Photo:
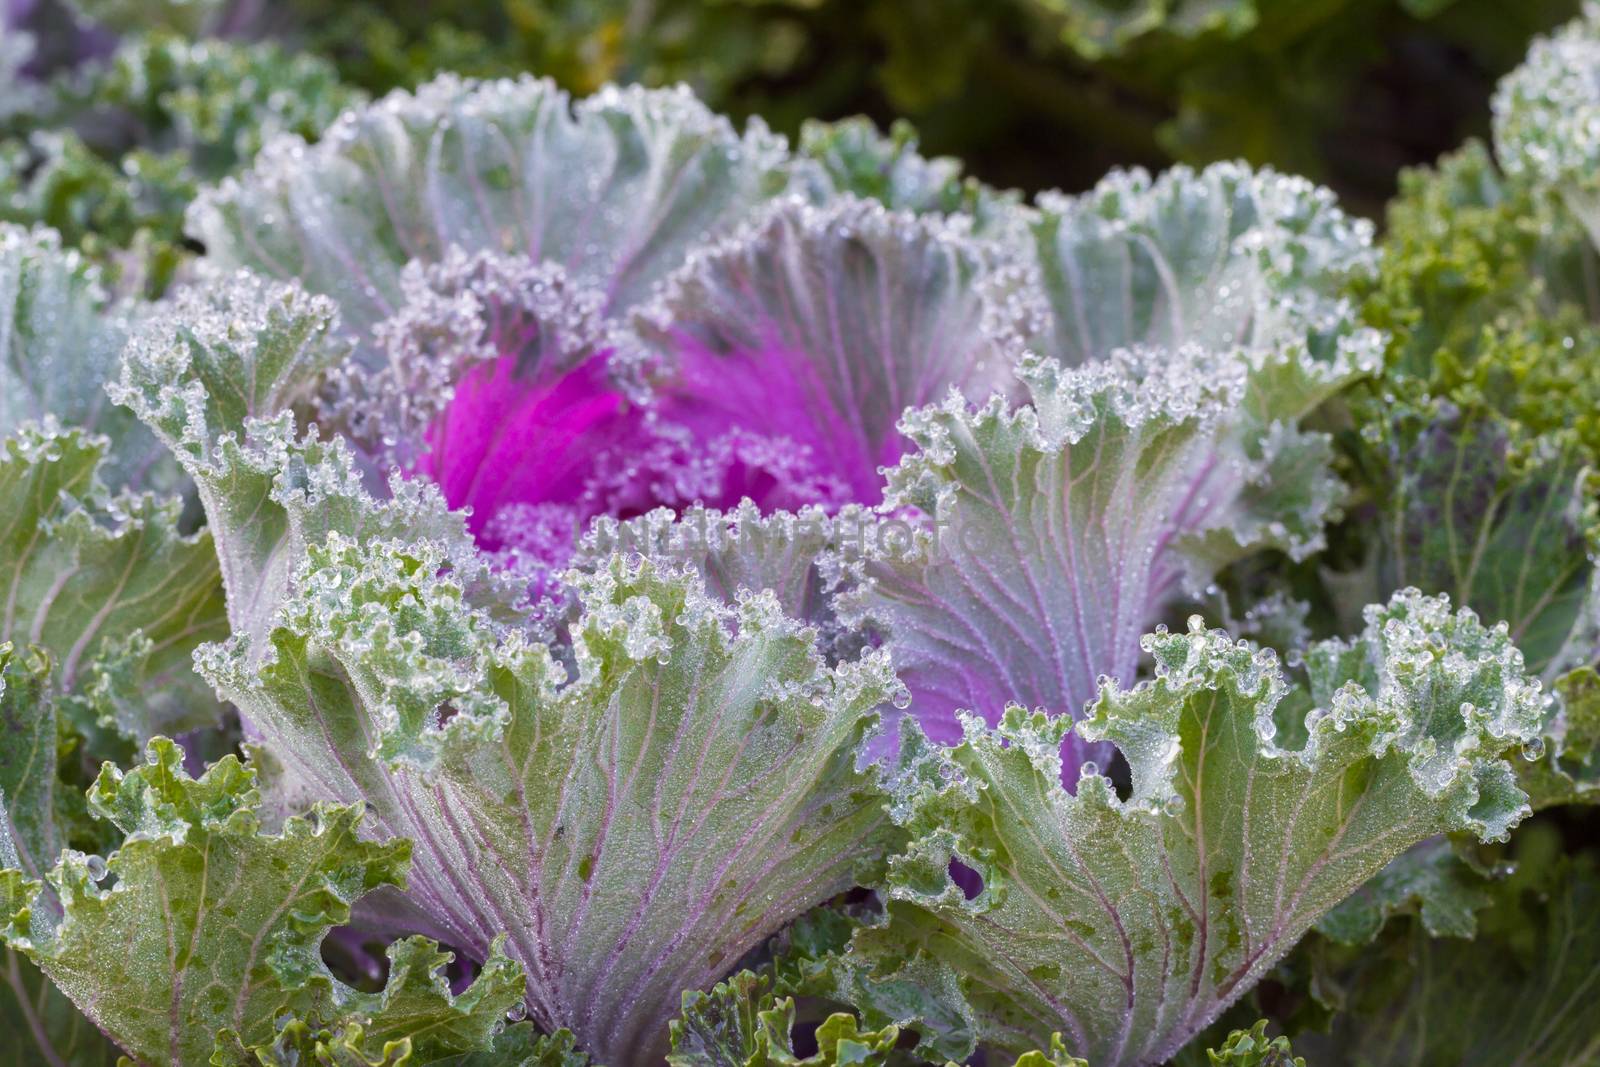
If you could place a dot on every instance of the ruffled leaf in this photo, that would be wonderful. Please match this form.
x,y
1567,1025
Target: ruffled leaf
x,y
1505,525
414,1020
218,378
1221,257
1547,116
691,789
616,188
1059,532
1128,925
60,335
106,585
860,160
44,1024
1253,1048
819,327
739,1023
214,923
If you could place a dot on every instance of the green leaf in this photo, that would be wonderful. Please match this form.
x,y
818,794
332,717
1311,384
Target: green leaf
x,y
1563,766
219,378
492,166
47,1028
1444,890
1056,534
1222,257
1096,29
1506,527
1252,1048
106,585
218,926
1128,925
60,335
413,1020
689,790
857,158
739,1023
1516,993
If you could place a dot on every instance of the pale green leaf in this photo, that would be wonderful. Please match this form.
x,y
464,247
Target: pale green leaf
x,y
105,585
690,789
1128,925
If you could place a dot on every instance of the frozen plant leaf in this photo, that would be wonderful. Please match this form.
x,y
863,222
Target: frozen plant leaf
x,y
743,552
217,923
106,585
689,790
194,866
414,1020
60,335
44,1025
1128,925
1221,257
219,377
860,160
615,188
1563,765
1057,533
820,326
1444,890
1547,116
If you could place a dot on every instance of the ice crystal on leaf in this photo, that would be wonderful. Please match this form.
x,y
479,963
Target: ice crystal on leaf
x,y
217,924
563,310
1222,257
1059,531
635,828
1127,925
1547,116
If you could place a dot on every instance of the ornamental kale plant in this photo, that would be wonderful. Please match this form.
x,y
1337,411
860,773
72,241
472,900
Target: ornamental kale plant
x,y
559,581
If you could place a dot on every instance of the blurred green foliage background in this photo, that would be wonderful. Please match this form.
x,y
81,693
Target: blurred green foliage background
x,y
1030,93
137,102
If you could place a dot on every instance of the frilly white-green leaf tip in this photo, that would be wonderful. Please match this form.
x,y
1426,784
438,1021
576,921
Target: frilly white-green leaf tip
x,y
1546,112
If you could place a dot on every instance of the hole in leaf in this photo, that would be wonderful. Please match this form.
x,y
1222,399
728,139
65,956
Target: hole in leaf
x,y
356,958
970,881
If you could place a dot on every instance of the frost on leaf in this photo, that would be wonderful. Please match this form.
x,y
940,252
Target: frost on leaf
x,y
819,327
1222,257
104,584
60,335
220,377
1056,533
635,829
742,552
1128,925
1547,117
616,188
41,1023
1507,525
200,922
857,159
